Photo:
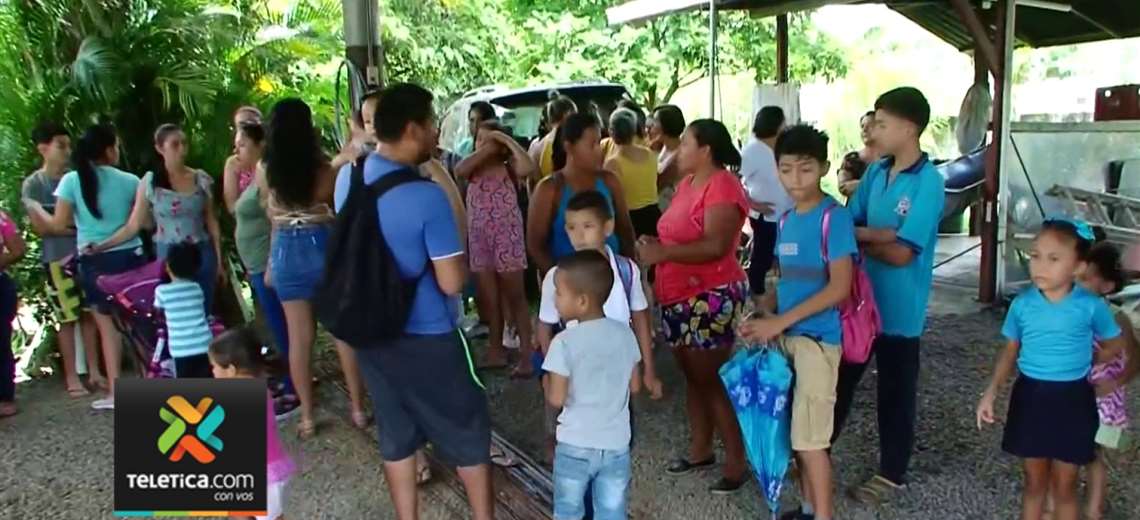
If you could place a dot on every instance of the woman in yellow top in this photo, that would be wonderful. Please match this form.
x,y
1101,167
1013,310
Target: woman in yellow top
x,y
636,168
639,138
542,150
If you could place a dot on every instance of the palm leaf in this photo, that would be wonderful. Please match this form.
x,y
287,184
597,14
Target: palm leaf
x,y
94,64
193,88
221,11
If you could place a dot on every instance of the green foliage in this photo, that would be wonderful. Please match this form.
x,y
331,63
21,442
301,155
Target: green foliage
x,y
140,63
451,45
1044,64
570,40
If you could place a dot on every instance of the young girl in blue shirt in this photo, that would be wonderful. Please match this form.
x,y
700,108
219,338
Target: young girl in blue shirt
x,y
1050,328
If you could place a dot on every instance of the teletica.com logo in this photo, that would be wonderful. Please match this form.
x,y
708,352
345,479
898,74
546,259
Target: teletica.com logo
x,y
176,441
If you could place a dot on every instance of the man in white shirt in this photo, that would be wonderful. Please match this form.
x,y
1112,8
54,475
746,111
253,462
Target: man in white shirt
x,y
766,194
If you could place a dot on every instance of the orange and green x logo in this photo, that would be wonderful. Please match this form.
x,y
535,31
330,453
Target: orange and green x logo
x,y
175,436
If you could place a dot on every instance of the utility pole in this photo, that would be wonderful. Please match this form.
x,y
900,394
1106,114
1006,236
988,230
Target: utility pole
x,y
712,58
362,44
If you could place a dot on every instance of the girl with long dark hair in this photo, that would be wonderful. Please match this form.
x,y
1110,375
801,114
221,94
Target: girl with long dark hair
x,y
299,182
179,201
94,202
702,290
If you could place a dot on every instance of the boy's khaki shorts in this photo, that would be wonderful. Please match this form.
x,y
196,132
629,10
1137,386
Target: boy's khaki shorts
x,y
816,365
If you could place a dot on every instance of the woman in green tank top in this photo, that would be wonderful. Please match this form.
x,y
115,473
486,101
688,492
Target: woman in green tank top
x,y
251,234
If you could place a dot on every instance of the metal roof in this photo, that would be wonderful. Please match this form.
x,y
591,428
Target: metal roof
x,y
1040,23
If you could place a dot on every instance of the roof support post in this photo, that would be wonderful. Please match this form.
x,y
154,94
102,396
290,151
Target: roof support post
x,y
990,276
712,58
362,42
982,43
782,48
981,70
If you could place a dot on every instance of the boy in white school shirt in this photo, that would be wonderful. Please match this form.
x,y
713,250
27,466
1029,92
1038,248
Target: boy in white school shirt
x,y
589,221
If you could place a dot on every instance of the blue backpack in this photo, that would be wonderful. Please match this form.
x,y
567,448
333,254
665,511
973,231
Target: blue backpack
x,y
625,268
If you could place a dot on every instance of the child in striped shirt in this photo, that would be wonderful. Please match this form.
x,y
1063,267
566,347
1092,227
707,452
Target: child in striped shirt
x,y
184,304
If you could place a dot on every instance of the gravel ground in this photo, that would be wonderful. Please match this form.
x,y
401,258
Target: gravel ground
x,y
58,464
958,472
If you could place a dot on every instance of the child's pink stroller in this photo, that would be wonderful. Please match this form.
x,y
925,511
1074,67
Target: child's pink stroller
x,y
132,298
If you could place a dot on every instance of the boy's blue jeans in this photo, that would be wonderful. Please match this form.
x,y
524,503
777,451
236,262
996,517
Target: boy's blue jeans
x,y
604,473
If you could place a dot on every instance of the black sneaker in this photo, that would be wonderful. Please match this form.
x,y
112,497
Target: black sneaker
x,y
725,486
285,407
798,514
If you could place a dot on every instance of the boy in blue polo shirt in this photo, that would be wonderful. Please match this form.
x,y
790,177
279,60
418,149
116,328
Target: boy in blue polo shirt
x,y
896,208
814,278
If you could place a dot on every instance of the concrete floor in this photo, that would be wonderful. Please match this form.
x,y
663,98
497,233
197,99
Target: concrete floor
x,y
956,277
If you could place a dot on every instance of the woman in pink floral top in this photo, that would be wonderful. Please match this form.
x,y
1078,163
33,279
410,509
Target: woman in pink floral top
x,y
1104,276
179,201
11,251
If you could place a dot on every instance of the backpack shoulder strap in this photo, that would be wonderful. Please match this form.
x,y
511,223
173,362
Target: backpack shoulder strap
x,y
825,227
393,179
356,177
625,272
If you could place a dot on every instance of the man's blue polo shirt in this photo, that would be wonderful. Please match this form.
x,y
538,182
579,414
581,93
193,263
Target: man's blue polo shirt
x,y
911,205
419,227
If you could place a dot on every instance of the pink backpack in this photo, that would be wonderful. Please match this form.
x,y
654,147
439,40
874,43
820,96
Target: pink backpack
x,y
858,314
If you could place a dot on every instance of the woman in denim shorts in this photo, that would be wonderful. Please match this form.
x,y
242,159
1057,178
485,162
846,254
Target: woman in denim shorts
x,y
93,202
300,184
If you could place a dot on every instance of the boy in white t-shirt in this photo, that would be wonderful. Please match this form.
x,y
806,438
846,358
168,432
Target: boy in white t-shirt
x,y
589,221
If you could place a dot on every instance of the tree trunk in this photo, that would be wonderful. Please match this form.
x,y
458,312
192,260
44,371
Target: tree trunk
x,y
229,306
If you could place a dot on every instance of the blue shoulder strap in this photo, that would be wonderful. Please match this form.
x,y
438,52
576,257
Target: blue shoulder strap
x,y
625,272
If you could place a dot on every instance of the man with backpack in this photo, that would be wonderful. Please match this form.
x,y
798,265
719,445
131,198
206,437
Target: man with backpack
x,y
814,248
897,208
396,263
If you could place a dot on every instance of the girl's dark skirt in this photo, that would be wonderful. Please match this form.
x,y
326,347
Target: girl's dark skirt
x,y
1052,420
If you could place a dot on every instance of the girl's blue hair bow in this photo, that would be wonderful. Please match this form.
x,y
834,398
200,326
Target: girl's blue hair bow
x,y
1083,229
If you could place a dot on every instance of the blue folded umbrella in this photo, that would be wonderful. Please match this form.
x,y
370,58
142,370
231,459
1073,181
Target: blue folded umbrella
x,y
759,383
